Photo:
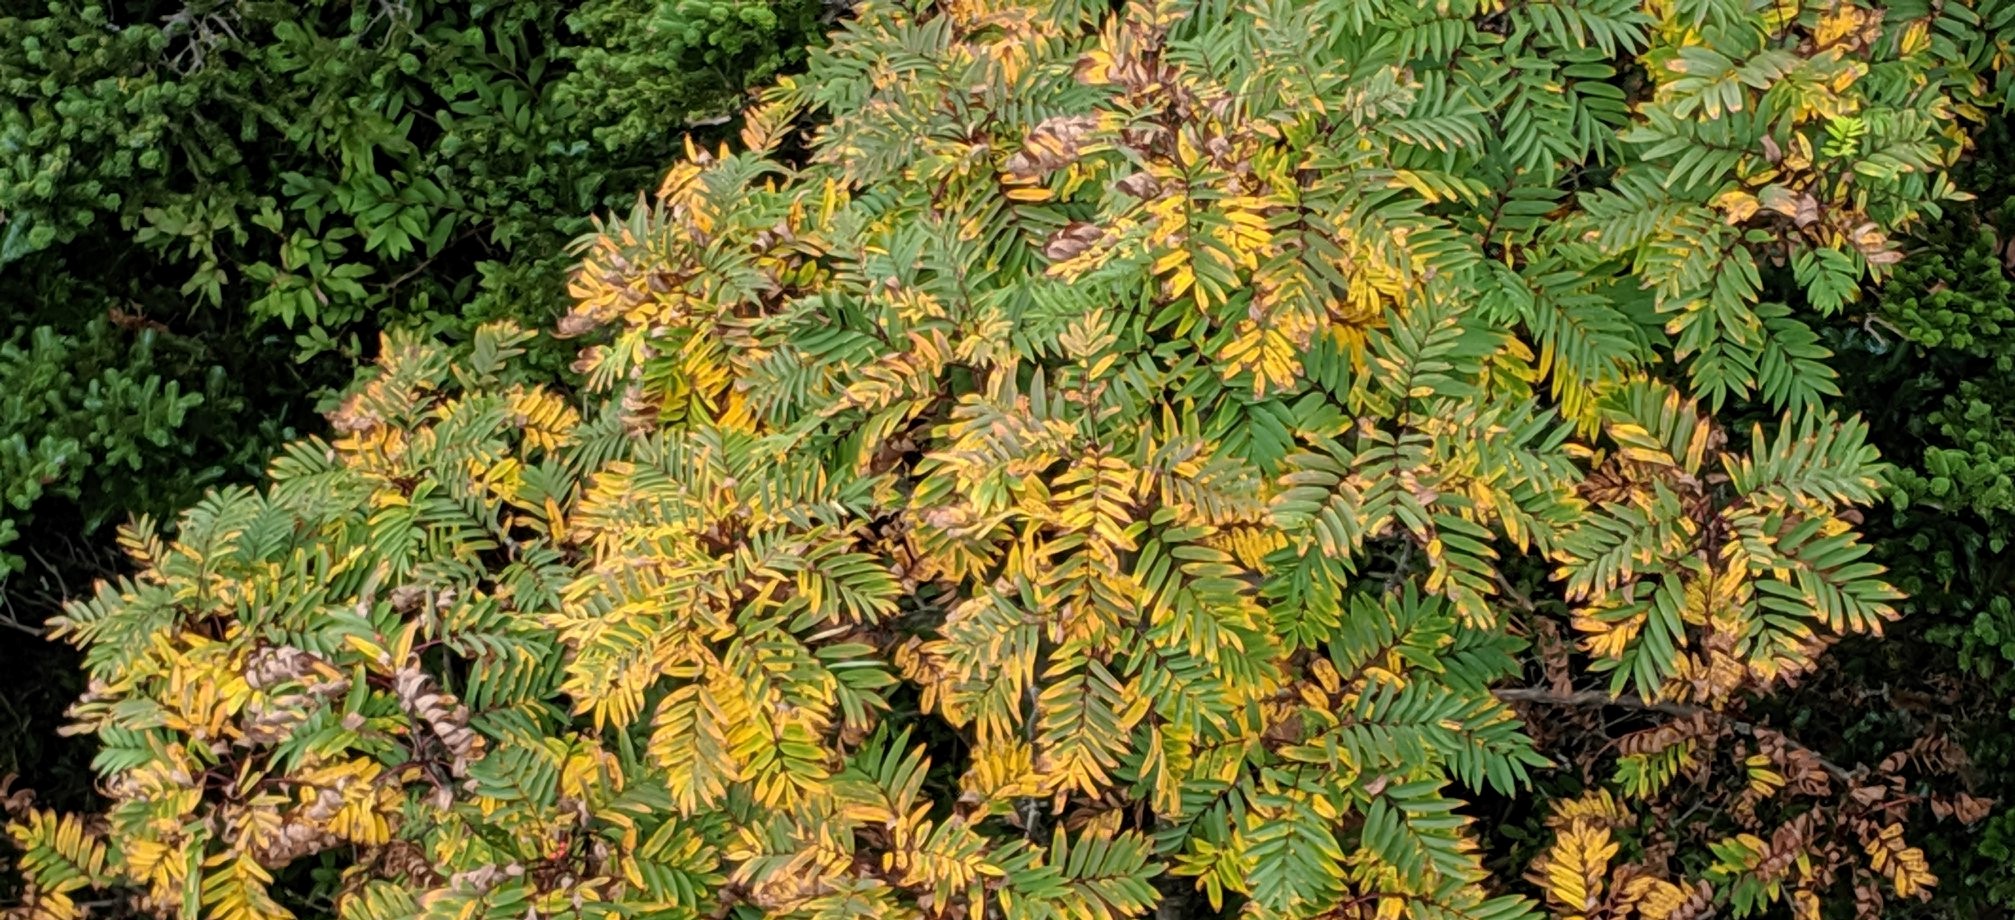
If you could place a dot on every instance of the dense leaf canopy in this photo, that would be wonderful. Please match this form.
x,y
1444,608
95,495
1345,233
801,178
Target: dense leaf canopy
x,y
1129,456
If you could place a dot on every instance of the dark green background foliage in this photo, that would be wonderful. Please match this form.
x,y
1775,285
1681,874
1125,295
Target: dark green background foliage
x,y
1929,360
94,420
208,209
279,180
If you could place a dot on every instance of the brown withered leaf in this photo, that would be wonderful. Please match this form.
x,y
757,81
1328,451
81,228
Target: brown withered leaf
x,y
1801,207
352,417
15,802
1554,653
442,713
1937,752
1867,901
1143,186
1072,241
574,324
1968,809
1786,845
292,841
1055,143
272,665
133,322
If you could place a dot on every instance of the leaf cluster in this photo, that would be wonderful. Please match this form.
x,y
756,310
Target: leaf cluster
x,y
1928,361
220,175
101,419
207,211
1123,463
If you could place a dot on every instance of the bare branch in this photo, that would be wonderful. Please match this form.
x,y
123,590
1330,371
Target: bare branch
x,y
1597,698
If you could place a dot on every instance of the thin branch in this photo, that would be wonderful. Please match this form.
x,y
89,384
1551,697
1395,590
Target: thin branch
x,y
1599,698
427,262
1518,598
55,571
10,620
11,623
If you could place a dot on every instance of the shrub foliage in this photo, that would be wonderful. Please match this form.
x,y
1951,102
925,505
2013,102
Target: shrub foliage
x,y
1141,456
1929,365
263,182
85,405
